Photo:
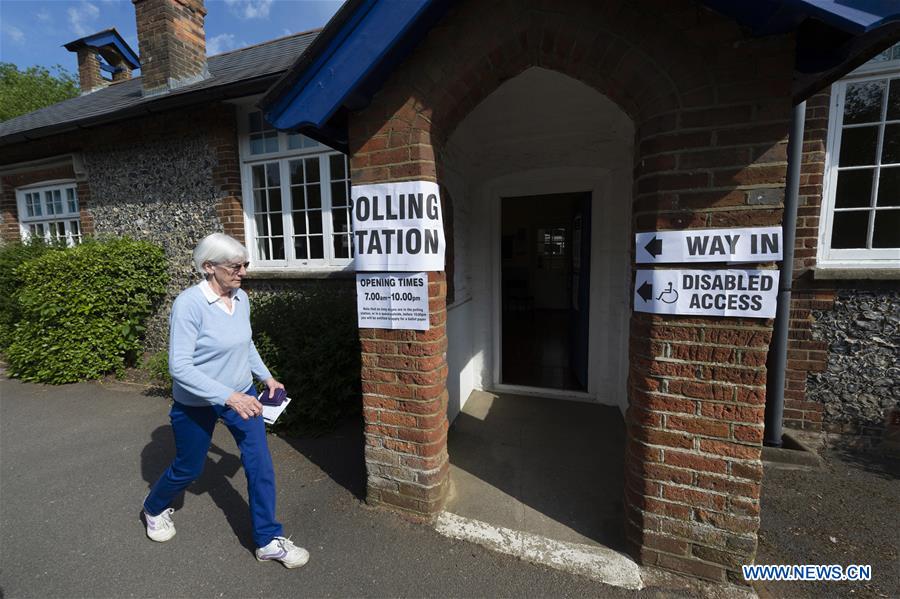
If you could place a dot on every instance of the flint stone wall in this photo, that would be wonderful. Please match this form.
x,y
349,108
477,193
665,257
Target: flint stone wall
x,y
862,380
161,191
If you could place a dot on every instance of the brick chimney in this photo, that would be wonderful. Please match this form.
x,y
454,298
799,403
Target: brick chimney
x,y
172,43
89,76
102,51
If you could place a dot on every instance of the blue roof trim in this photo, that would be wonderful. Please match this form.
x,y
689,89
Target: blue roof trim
x,y
110,37
352,56
367,39
862,17
766,17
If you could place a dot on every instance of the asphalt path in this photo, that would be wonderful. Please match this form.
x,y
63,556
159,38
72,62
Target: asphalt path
x,y
77,460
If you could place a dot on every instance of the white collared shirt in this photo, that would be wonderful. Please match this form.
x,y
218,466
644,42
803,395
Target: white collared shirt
x,y
213,298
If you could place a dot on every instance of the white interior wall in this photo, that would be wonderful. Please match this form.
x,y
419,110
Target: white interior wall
x,y
541,132
462,360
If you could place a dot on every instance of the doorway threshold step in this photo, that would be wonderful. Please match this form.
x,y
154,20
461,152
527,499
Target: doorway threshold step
x,y
595,562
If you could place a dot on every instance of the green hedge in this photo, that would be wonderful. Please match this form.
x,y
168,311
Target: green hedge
x,y
310,342
82,309
12,255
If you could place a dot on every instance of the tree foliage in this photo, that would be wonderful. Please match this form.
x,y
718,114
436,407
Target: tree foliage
x,y
22,92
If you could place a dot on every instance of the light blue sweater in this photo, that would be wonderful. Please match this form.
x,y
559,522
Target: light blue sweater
x,y
211,353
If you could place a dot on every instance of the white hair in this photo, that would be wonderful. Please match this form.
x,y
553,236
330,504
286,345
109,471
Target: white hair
x,y
217,249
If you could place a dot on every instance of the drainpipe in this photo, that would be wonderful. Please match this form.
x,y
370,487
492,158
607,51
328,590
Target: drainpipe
x,y
777,361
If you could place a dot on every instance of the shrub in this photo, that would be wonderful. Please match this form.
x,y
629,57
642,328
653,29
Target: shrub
x,y
12,255
310,342
157,366
82,309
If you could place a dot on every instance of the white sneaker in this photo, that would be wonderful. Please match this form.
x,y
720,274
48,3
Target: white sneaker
x,y
283,550
160,528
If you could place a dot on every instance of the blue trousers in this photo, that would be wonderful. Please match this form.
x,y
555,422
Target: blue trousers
x,y
193,429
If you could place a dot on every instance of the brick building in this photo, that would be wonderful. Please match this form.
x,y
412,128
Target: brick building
x,y
842,362
555,131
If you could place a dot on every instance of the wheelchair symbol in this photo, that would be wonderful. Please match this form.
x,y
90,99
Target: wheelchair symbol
x,y
669,296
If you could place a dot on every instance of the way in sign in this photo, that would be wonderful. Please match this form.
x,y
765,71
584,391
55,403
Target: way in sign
x,y
758,244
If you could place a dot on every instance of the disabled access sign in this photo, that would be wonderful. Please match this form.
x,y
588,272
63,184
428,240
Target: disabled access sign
x,y
749,293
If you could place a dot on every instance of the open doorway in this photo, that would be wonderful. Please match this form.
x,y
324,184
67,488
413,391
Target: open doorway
x,y
540,174
545,288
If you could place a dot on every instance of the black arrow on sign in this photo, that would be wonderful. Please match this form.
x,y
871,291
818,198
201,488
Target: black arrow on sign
x,y
646,291
654,247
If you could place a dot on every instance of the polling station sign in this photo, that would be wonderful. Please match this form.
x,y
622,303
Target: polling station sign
x,y
756,244
398,227
752,293
392,300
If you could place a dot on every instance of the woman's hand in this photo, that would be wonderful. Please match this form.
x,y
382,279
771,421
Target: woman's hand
x,y
272,384
245,405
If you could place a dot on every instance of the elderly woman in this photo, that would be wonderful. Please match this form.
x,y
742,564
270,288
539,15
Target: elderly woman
x,y
212,360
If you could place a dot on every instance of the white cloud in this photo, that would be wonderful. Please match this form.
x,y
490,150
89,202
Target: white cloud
x,y
44,16
80,17
16,35
221,43
250,9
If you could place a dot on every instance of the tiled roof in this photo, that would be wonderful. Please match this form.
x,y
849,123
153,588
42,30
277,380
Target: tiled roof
x,y
264,60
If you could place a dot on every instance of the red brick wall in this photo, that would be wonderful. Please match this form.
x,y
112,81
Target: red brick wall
x,y
227,171
712,110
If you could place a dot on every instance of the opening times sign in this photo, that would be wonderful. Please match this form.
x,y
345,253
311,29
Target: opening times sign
x,y
392,300
749,293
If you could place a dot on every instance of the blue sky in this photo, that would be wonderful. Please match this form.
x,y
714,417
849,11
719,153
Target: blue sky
x,y
32,32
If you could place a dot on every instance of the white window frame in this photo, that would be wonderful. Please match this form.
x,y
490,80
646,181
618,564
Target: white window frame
x,y
828,258
283,156
66,217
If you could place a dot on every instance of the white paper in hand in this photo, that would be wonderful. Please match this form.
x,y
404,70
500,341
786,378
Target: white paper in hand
x,y
271,413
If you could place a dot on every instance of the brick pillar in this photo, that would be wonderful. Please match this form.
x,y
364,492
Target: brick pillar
x,y
697,384
404,383
89,71
693,469
404,373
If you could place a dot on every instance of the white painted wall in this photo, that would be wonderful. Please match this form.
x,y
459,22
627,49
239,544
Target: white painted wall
x,y
539,133
462,359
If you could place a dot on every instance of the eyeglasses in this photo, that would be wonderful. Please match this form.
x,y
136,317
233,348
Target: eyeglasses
x,y
234,268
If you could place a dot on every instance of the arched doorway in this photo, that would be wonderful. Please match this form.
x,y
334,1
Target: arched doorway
x,y
540,174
